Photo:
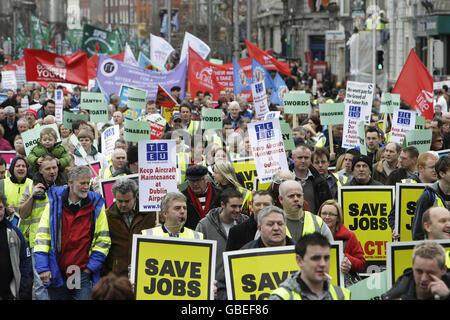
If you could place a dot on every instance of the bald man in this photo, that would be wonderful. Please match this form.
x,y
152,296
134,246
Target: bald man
x,y
299,221
436,223
118,159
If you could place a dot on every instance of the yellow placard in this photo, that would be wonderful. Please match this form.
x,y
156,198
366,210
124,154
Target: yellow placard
x,y
246,170
254,273
172,268
406,198
366,211
399,258
168,112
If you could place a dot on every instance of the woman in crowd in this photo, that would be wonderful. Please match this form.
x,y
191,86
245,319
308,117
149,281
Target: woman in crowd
x,y
331,213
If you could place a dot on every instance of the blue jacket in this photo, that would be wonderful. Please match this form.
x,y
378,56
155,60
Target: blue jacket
x,y
48,261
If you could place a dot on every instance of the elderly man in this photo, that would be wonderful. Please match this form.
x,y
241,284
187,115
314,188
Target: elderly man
x,y
234,113
10,125
202,196
118,159
429,278
75,220
124,220
300,222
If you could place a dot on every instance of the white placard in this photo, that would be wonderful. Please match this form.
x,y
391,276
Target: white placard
x,y
157,172
353,115
360,94
402,122
109,138
268,148
9,80
260,99
59,104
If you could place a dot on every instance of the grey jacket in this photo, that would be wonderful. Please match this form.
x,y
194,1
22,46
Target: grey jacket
x,y
212,229
293,285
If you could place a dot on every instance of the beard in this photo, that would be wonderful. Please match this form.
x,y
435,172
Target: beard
x,y
80,194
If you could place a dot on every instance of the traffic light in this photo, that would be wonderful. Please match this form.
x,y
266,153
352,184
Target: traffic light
x,y
380,59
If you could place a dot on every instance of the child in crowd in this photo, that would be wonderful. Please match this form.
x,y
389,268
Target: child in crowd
x,y
48,145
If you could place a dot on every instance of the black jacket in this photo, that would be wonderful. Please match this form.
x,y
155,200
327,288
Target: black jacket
x,y
193,216
258,243
405,288
241,234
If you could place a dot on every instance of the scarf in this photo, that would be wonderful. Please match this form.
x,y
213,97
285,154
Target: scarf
x,y
197,203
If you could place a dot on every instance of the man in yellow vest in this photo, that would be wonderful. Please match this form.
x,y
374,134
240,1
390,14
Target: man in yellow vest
x,y
191,126
119,158
312,281
300,222
173,215
31,208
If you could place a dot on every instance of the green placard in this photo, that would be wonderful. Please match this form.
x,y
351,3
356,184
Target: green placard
x,y
136,98
395,98
68,118
96,104
332,113
211,118
421,139
297,103
370,288
386,103
420,123
362,138
32,137
286,132
135,131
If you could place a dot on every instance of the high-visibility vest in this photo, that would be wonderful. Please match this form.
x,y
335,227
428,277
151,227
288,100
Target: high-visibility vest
x,y
336,292
311,223
183,164
408,180
13,191
31,223
186,234
193,127
380,25
341,180
369,24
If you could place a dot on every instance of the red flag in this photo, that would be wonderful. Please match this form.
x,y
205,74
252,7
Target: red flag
x,y
206,76
163,99
268,61
46,66
415,86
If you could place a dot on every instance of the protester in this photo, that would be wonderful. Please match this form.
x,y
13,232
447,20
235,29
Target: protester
x,y
312,281
15,260
83,238
124,220
429,278
353,262
218,222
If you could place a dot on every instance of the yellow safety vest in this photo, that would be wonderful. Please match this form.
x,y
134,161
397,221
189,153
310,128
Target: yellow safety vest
x,y
409,180
311,224
336,292
341,180
31,223
13,191
183,163
369,24
193,127
185,234
380,25
106,173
